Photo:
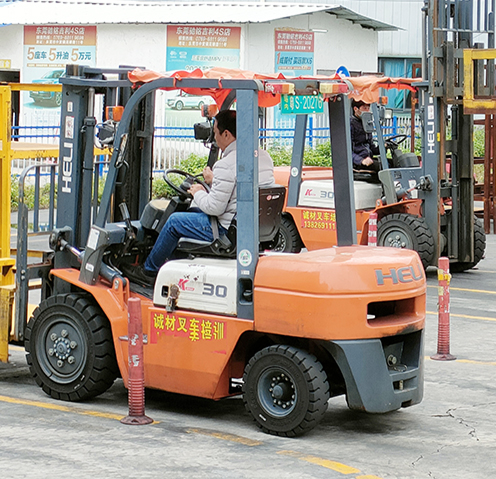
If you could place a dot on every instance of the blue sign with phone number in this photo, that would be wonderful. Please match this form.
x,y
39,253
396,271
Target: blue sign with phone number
x,y
299,105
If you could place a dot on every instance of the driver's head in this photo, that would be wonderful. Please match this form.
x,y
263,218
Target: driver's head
x,y
359,107
225,128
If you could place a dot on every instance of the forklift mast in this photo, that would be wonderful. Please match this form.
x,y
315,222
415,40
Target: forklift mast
x,y
84,90
447,117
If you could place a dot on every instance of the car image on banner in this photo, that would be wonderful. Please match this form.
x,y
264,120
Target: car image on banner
x,y
52,98
183,100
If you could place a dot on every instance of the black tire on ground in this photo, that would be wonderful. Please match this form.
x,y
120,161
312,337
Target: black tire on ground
x,y
179,105
288,238
285,390
400,230
479,248
69,348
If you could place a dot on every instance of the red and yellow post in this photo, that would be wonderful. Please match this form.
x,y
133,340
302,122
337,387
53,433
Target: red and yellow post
x,y
443,338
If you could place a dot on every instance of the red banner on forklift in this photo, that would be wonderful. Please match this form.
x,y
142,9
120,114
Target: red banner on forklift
x,y
365,88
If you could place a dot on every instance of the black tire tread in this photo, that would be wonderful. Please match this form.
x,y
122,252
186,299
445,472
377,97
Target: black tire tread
x,y
294,244
479,248
104,370
423,239
318,387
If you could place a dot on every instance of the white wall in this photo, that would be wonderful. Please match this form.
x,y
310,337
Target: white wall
x,y
405,14
140,45
344,43
12,44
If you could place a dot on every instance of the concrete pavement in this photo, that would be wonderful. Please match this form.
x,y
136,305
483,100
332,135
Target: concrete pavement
x,y
450,435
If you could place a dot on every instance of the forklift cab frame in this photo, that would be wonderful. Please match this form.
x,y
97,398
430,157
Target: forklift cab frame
x,y
79,87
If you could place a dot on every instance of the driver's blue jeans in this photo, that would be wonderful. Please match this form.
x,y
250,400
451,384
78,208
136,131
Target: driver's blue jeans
x,y
189,224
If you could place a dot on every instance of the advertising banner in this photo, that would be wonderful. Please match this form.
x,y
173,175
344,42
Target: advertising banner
x,y
47,50
294,52
202,46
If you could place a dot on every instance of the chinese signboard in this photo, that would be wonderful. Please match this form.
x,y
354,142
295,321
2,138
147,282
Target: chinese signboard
x,y
204,47
318,220
193,329
306,104
47,50
294,52
5,64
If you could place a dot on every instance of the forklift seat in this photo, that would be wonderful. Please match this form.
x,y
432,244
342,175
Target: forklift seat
x,y
270,201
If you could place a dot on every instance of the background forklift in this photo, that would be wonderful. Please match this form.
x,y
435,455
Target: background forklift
x,y
427,207
286,331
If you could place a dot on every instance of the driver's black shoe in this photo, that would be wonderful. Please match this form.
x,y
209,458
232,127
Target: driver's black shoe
x,y
138,274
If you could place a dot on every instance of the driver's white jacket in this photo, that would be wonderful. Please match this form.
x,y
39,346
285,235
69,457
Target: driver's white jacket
x,y
221,200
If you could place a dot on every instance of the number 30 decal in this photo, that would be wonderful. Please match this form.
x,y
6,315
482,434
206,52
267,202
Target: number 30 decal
x,y
215,290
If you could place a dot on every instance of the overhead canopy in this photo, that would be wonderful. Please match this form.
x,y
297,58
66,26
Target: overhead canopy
x,y
366,88
88,12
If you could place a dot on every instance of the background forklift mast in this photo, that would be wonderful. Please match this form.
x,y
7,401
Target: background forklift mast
x,y
454,89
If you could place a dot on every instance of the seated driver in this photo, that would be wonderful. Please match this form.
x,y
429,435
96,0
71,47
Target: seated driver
x,y
362,145
219,202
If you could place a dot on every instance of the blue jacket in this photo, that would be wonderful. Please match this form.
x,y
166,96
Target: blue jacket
x,y
362,144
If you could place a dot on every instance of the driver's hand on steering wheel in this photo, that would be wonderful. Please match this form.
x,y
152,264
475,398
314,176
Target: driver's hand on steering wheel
x,y
195,187
208,175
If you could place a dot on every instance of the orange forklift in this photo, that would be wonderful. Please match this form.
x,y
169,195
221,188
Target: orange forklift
x,y
422,205
286,331
412,212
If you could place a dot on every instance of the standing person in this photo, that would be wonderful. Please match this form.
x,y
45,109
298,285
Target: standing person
x,y
219,202
363,147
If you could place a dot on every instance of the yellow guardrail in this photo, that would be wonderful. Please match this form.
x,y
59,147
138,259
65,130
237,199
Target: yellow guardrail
x,y
472,104
6,262
10,150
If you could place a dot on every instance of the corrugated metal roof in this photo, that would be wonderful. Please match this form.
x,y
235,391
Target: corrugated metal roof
x,y
66,12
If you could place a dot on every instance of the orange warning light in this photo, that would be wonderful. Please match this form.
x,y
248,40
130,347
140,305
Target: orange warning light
x,y
281,88
333,88
114,112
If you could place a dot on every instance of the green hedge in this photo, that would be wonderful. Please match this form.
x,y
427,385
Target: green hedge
x,y
194,164
28,195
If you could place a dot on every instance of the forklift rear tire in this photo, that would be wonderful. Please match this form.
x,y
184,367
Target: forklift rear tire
x,y
288,238
285,390
400,230
69,348
479,248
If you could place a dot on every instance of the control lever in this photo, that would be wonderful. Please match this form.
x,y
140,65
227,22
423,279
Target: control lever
x,y
130,234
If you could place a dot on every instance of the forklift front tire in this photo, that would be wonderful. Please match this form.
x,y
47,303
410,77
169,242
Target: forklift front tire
x,y
479,248
400,230
285,390
70,349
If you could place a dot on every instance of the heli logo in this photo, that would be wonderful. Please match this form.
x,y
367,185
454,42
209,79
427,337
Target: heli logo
x,y
309,192
182,285
67,169
399,275
431,127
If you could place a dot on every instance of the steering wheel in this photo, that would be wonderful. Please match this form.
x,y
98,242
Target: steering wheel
x,y
395,141
186,184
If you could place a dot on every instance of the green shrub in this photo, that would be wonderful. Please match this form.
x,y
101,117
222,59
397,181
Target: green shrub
x,y
29,190
193,165
318,156
479,142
